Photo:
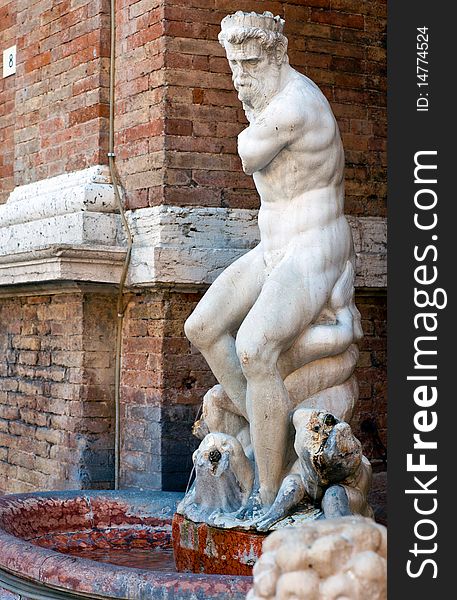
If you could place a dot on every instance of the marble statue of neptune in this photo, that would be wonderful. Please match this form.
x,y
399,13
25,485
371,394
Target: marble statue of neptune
x,y
278,327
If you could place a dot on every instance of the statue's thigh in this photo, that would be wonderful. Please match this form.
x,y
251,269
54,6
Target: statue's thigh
x,y
233,293
291,298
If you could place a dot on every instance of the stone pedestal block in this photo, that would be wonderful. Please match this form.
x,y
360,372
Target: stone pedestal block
x,y
199,548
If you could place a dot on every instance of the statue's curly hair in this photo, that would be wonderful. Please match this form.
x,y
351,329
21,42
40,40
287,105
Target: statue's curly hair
x,y
238,35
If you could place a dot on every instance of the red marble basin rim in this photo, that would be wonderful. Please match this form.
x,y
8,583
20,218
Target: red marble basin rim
x,y
29,515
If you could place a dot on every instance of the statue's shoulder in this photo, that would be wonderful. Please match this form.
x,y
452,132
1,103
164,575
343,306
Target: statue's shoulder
x,y
300,102
307,103
303,89
299,105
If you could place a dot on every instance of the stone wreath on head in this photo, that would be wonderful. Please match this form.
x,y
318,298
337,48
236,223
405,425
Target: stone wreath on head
x,y
241,26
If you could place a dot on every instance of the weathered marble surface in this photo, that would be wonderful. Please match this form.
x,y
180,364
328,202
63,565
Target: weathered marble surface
x,y
279,326
324,560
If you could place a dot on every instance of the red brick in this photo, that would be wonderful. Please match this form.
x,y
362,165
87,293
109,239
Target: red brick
x,y
142,379
338,18
143,345
201,144
38,61
185,196
178,127
88,113
145,130
143,37
193,15
189,30
219,65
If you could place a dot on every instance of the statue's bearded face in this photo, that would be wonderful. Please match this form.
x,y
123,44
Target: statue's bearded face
x,y
255,72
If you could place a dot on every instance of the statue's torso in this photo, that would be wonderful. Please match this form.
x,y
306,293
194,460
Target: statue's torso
x,y
302,188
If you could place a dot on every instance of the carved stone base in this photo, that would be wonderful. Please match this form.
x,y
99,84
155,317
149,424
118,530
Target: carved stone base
x,y
199,548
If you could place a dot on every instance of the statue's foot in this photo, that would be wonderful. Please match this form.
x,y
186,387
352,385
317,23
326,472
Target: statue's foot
x,y
290,494
249,510
268,519
242,513
261,517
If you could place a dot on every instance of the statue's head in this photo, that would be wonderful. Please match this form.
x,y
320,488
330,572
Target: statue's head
x,y
256,50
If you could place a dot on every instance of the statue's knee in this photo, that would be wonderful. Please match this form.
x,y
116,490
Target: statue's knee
x,y
192,328
199,331
255,359
247,354
215,397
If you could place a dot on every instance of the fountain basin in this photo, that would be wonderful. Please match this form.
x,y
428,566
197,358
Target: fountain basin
x,y
46,539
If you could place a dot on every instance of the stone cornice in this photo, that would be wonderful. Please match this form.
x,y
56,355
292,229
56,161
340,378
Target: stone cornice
x,y
66,229
191,245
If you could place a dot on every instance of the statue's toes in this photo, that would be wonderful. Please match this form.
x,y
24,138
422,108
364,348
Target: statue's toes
x,y
242,512
265,523
269,518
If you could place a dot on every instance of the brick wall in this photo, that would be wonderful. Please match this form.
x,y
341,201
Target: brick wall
x,y
177,115
163,382
7,109
56,392
58,100
140,97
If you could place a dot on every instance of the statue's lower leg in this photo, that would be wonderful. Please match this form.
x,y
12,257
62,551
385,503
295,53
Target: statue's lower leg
x,y
268,409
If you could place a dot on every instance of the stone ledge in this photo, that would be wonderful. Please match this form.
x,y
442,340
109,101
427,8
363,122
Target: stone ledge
x,y
74,229
63,263
189,252
192,245
86,190
65,228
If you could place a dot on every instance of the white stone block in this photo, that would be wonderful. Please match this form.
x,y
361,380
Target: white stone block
x,y
86,190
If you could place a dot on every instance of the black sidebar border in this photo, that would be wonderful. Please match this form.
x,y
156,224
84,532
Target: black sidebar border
x,y
422,236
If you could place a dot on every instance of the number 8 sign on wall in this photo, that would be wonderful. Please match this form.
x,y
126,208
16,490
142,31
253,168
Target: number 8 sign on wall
x,y
9,61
